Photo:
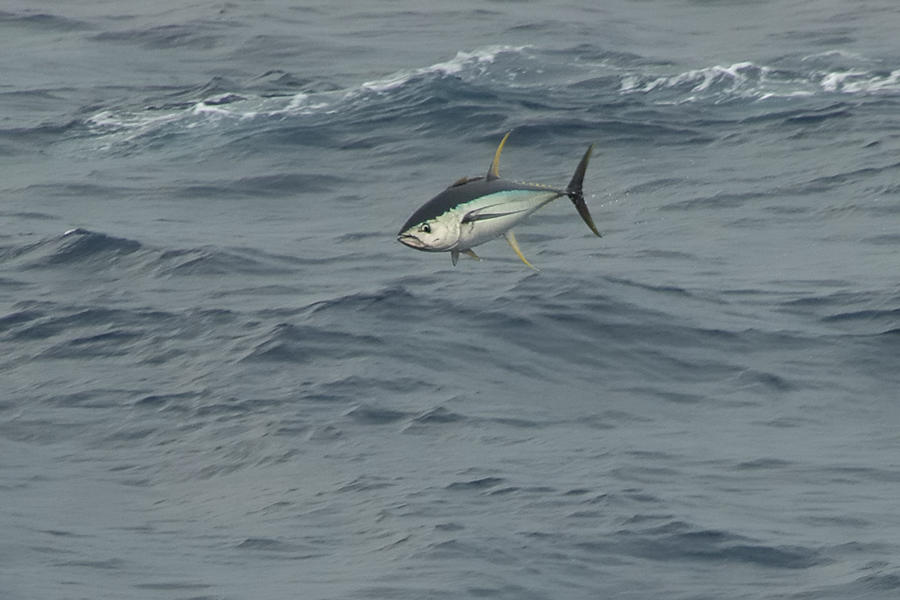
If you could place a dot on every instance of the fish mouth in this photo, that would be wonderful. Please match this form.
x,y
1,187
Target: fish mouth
x,y
411,241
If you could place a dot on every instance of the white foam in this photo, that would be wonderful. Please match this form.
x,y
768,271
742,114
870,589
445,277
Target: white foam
x,y
628,83
748,80
454,66
114,127
126,126
104,118
789,94
202,108
123,126
856,82
701,80
303,104
297,100
832,82
832,54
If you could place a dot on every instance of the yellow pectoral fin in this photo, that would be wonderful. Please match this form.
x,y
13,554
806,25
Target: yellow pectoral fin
x,y
471,253
511,238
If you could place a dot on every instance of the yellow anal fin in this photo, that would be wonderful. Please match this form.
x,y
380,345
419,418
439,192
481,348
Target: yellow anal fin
x,y
511,238
471,253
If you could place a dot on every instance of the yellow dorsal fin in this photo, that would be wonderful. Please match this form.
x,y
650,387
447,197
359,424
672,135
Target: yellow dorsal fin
x,y
494,171
511,238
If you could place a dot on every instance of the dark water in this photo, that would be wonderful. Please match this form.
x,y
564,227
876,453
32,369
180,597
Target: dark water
x,y
223,378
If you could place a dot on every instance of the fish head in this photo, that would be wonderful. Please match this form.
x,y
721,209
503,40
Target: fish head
x,y
437,234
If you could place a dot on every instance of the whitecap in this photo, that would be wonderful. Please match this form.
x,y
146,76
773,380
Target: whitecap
x,y
700,80
454,66
832,54
113,127
856,81
788,94
760,82
833,82
303,104
202,108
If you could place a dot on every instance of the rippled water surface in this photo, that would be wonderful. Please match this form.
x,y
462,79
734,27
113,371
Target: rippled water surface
x,y
222,377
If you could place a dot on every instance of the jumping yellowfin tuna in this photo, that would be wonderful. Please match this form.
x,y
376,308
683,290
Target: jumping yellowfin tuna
x,y
477,209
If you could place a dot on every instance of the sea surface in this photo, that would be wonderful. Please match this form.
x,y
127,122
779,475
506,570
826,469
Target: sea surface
x,y
221,377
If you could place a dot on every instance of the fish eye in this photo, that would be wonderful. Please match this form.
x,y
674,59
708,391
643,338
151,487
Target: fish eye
x,y
426,228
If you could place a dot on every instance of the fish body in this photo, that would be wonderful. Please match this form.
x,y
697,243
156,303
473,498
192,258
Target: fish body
x,y
475,210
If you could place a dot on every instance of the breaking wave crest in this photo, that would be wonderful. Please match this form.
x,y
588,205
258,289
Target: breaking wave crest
x,y
746,80
229,104
478,75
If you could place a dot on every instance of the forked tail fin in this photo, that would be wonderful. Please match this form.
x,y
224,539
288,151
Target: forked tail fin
x,y
576,195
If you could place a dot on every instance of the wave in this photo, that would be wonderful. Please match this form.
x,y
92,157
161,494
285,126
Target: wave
x,y
467,91
678,540
76,246
211,260
205,35
101,252
747,80
43,21
223,103
288,343
475,62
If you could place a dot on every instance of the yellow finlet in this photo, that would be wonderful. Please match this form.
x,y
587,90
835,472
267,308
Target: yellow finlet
x,y
511,238
494,171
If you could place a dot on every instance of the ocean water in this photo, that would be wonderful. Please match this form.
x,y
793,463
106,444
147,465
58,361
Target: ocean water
x,y
222,377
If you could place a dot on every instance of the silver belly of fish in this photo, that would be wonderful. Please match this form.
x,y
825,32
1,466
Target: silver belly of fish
x,y
492,216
